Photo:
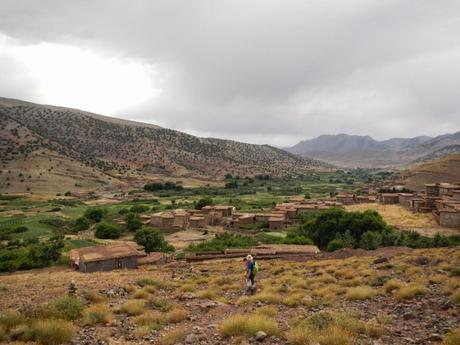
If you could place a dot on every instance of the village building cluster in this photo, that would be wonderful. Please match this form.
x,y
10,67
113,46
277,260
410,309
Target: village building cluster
x,y
441,199
279,217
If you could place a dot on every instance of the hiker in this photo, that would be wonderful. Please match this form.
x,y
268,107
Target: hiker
x,y
251,270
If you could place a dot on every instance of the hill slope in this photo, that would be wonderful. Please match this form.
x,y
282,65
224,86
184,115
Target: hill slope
x,y
363,151
445,169
112,152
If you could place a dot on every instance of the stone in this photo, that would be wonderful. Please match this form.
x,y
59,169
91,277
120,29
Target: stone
x,y
422,260
407,316
260,335
435,337
381,260
186,296
191,339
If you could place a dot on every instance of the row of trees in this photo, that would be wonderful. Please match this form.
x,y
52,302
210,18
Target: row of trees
x,y
336,228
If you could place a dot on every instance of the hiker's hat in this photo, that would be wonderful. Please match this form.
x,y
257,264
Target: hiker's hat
x,y
249,257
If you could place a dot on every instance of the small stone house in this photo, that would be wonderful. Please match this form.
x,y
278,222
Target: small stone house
x,y
106,258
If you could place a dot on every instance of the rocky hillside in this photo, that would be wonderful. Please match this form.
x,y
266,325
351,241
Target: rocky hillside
x,y
364,151
108,151
445,169
390,296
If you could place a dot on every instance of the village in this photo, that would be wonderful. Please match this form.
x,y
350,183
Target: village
x,y
442,200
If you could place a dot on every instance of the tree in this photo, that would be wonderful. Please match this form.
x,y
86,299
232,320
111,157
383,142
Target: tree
x,y
94,214
152,240
133,222
82,223
203,202
107,231
43,254
231,185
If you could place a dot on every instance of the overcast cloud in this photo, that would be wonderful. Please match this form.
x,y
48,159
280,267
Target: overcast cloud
x,y
261,71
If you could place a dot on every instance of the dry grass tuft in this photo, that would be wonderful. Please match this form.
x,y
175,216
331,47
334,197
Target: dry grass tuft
x,y
248,325
177,314
52,332
97,314
329,336
132,307
410,291
456,297
93,296
141,294
267,310
452,338
360,293
174,337
392,285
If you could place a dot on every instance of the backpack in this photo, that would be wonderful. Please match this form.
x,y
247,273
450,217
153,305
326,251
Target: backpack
x,y
255,268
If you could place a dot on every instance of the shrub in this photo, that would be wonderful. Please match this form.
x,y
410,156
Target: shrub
x,y
410,291
107,231
94,214
152,240
149,282
81,224
203,202
360,293
139,209
52,332
150,319
97,314
248,325
161,304
69,308
133,222
224,241
133,307
334,245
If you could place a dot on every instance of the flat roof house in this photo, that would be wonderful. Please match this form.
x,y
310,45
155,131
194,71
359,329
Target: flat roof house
x,y
106,258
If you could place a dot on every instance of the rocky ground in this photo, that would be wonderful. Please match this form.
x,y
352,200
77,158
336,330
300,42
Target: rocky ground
x,y
391,297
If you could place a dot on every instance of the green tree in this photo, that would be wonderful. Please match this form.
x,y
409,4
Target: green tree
x,y
133,222
82,223
152,240
107,231
94,214
203,202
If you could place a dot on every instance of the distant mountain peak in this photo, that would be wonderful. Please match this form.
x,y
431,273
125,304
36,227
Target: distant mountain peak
x,y
364,151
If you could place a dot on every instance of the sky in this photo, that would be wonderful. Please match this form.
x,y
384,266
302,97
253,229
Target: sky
x,y
261,71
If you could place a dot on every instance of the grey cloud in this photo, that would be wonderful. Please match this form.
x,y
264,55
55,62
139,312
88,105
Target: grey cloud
x,y
272,70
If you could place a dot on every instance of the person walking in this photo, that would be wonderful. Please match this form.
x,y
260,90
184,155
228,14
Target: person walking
x,y
251,269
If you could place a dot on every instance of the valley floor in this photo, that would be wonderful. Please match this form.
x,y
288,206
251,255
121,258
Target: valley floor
x,y
407,297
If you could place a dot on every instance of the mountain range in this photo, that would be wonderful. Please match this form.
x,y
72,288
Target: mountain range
x,y
47,148
353,151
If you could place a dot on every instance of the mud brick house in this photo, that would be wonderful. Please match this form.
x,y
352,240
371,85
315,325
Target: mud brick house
x,y
162,220
106,258
405,199
450,217
389,198
220,211
276,222
346,199
197,221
